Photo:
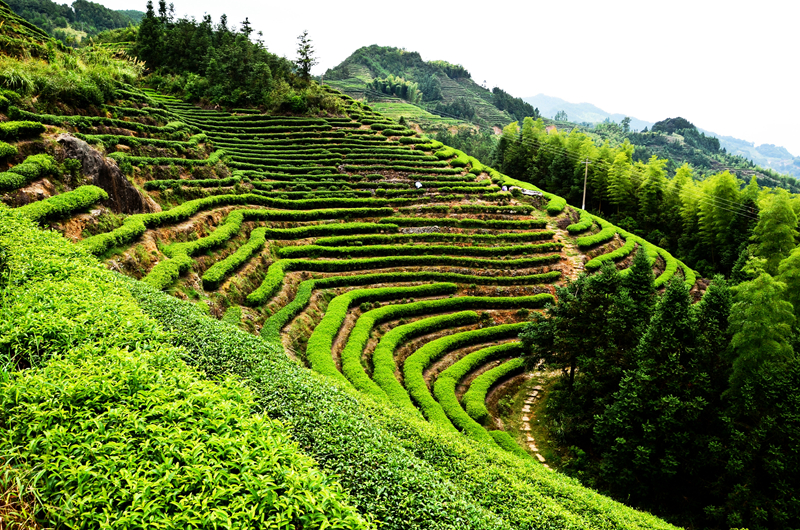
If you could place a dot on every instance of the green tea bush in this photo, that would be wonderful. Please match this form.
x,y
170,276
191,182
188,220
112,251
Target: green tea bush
x,y
73,424
445,153
614,255
475,398
273,325
65,204
525,224
476,166
189,183
318,349
584,223
214,276
461,159
121,157
94,121
135,225
7,150
605,235
19,130
431,351
34,167
233,315
340,241
444,389
274,278
318,251
383,356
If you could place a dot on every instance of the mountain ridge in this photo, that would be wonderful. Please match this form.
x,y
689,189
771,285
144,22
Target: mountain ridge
x,y
772,157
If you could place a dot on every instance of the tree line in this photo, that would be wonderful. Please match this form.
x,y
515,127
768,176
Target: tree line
x,y
706,223
225,65
688,410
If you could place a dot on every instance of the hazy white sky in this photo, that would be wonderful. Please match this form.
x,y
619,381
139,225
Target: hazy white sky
x,y
728,67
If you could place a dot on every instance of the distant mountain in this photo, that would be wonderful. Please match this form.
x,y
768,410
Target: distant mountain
x,y
580,112
380,72
767,155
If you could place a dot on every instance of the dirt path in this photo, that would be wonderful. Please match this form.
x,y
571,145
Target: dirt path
x,y
534,394
572,264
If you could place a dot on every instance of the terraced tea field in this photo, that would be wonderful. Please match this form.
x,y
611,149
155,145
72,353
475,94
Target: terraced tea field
x,y
383,260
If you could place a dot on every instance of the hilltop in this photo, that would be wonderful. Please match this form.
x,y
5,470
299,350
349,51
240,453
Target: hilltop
x,y
440,87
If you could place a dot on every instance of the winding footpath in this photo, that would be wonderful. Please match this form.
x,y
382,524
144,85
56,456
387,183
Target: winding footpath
x,y
527,416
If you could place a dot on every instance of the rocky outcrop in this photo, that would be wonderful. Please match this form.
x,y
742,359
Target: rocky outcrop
x,y
123,197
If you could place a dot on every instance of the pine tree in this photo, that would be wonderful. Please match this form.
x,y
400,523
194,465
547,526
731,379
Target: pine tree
x,y
149,38
305,56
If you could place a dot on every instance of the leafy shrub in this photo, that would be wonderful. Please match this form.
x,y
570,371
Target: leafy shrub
x,y
318,251
65,204
233,315
584,223
475,397
616,254
214,276
34,167
467,223
431,351
605,235
7,150
338,241
318,349
19,130
444,389
101,371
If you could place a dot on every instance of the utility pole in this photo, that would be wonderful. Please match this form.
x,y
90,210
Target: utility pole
x,y
585,178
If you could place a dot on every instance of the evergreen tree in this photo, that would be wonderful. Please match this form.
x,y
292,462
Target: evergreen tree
x,y
148,40
640,285
652,424
305,56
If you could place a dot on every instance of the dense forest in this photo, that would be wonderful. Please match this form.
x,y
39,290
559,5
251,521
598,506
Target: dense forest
x,y
221,64
687,410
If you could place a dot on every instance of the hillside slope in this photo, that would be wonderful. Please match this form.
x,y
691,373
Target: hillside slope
x,y
439,87
313,231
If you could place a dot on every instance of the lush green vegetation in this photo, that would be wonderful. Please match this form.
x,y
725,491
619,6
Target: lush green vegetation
x,y
437,86
660,395
69,328
388,266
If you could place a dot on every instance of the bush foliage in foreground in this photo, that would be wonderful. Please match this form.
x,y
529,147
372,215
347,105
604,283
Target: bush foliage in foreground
x,y
111,427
